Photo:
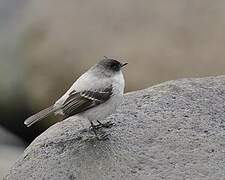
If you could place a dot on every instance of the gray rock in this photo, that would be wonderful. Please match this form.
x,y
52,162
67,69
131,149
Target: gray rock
x,y
175,130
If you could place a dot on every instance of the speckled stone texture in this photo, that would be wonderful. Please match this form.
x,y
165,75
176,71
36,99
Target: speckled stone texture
x,y
172,131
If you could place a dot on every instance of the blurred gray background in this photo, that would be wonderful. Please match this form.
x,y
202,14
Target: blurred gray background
x,y
46,44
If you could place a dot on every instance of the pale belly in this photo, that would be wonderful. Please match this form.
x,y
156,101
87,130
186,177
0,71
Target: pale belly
x,y
102,111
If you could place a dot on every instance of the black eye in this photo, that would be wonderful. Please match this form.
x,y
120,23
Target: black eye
x,y
115,67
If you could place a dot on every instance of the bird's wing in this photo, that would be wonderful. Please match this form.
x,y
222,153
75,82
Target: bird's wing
x,y
78,102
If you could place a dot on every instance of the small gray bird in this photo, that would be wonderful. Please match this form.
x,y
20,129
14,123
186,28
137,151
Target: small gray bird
x,y
95,95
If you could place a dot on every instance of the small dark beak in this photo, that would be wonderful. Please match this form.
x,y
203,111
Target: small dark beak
x,y
124,64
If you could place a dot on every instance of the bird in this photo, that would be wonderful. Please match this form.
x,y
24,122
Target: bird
x,y
95,95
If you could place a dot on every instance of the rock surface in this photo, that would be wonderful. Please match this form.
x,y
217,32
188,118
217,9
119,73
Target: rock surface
x,y
175,130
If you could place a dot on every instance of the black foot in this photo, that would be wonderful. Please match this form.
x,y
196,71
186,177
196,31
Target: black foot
x,y
105,125
102,136
94,128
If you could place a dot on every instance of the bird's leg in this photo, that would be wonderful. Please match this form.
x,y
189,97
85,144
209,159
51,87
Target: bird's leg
x,y
105,125
95,128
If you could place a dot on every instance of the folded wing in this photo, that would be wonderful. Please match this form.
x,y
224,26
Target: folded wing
x,y
78,102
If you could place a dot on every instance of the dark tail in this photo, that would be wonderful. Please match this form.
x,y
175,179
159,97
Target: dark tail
x,y
39,116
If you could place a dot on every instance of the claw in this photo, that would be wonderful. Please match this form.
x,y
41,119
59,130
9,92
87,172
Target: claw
x,y
105,125
103,137
94,128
